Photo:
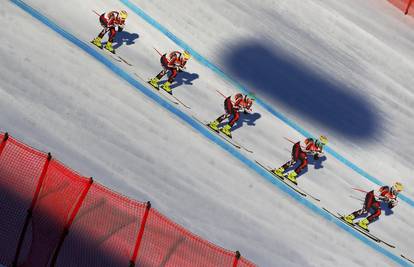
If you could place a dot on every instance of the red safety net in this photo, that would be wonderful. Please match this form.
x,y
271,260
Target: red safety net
x,y
405,6
167,244
20,169
52,216
107,222
58,196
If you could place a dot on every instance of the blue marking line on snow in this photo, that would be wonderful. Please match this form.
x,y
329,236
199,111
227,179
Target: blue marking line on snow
x,y
266,106
202,129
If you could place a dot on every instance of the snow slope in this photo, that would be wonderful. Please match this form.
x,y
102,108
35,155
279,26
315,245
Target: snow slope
x,y
58,98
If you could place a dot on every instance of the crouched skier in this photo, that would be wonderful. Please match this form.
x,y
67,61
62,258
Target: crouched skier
x,y
232,106
372,204
300,152
174,63
112,22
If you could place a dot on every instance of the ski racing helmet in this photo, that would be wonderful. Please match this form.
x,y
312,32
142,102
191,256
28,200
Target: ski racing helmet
x,y
397,188
123,14
186,55
249,98
322,141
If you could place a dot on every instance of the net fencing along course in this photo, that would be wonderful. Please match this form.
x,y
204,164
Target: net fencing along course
x,y
53,216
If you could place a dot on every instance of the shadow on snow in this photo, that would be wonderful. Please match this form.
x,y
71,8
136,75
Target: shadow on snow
x,y
326,102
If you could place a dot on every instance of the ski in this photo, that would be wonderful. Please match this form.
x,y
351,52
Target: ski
x,y
170,97
223,136
404,257
181,102
110,53
146,82
359,229
288,183
218,133
125,61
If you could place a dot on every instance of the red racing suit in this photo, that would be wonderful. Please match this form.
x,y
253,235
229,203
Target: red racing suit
x,y
300,151
372,203
233,105
173,62
109,22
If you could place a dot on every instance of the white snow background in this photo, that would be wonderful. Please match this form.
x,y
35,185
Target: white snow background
x,y
339,68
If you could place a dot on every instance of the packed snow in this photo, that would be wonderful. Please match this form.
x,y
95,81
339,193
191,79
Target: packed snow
x,y
339,68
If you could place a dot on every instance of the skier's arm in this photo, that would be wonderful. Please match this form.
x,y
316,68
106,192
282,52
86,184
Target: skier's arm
x,y
173,63
313,150
392,203
182,66
111,19
237,105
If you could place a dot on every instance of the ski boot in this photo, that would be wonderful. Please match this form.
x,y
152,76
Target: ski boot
x,y
364,224
154,82
166,87
292,177
97,41
214,125
226,130
109,47
349,218
279,172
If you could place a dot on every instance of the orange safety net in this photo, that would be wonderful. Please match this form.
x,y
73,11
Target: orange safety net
x,y
52,216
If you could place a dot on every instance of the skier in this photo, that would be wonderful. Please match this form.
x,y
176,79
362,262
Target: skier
x,y
300,152
173,62
372,204
112,22
232,106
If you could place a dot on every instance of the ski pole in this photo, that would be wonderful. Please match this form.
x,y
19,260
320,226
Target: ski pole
x,y
221,93
159,53
363,191
289,140
96,13
360,190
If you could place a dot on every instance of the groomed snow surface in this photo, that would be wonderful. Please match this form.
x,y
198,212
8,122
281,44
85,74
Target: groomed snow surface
x,y
340,68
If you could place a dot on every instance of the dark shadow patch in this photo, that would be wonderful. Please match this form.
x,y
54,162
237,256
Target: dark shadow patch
x,y
124,38
278,79
386,209
184,78
248,119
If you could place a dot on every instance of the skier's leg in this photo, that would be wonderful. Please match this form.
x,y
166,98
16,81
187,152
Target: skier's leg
x,y
303,158
369,200
235,117
161,74
103,32
370,203
295,155
173,74
376,211
227,108
289,164
154,81
166,85
112,33
98,40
